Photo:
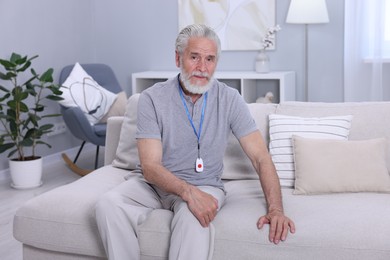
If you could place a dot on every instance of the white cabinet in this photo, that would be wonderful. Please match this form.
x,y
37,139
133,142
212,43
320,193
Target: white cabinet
x,y
250,84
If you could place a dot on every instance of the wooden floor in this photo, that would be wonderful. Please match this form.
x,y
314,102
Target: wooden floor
x,y
55,174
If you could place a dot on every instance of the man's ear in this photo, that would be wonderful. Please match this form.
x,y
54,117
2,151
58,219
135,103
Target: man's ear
x,y
177,59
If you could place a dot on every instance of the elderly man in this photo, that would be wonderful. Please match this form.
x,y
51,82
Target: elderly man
x,y
182,133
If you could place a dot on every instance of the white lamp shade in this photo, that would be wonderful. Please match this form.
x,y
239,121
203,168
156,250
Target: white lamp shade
x,y
307,12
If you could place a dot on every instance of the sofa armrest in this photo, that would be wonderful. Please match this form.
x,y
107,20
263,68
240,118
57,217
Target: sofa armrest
x,y
114,126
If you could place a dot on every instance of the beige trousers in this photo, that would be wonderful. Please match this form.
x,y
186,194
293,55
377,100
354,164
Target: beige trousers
x,y
122,209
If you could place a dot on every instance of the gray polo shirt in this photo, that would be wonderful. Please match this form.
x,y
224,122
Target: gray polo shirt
x,y
162,115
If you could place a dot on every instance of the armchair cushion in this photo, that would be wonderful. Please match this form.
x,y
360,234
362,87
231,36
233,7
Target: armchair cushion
x,y
100,129
81,90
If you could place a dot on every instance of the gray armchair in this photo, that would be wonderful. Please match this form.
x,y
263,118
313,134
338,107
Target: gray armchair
x,y
75,119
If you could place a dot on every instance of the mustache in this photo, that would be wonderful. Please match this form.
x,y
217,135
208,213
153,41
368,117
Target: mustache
x,y
200,74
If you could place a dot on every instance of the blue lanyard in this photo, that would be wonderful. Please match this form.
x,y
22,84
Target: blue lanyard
x,y
189,116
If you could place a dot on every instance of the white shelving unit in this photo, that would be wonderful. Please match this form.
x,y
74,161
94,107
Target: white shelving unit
x,y
248,83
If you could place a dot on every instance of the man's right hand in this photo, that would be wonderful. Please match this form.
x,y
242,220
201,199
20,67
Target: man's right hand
x,y
203,205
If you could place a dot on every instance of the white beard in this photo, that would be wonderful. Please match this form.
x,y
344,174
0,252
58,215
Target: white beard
x,y
195,89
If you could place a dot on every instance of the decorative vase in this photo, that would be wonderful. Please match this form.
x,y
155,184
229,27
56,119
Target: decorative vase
x,y
26,174
262,62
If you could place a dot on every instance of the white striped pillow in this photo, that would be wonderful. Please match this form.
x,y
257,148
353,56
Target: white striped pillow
x,y
281,129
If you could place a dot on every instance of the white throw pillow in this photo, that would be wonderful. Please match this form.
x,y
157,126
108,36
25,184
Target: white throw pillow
x,y
281,129
327,166
81,90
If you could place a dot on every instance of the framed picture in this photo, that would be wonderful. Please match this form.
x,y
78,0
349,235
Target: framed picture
x,y
240,24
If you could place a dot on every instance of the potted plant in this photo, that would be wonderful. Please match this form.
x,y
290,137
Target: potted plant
x,y
22,92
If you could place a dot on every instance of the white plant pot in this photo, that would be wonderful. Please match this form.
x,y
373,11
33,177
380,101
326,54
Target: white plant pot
x,y
26,174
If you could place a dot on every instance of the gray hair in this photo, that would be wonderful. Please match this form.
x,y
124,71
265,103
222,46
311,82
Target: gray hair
x,y
196,30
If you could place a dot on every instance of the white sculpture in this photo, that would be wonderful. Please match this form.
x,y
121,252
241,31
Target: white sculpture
x,y
268,98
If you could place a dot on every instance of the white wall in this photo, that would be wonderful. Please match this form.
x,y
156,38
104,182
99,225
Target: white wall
x,y
145,41
139,35
60,32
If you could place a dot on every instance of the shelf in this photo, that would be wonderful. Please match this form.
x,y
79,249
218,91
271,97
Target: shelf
x,y
250,84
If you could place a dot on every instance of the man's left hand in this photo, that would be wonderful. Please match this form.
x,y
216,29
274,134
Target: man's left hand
x,y
279,226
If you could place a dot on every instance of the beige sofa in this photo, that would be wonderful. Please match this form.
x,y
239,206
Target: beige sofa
x,y
330,223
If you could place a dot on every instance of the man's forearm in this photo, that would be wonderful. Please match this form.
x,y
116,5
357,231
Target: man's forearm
x,y
270,185
164,179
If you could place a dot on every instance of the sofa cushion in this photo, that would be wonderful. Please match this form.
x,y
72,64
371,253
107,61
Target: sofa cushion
x,y
236,163
118,108
329,226
127,153
282,127
324,166
63,219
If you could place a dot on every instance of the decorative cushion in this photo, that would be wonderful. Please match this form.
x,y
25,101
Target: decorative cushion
x,y
281,129
81,90
327,166
127,152
118,108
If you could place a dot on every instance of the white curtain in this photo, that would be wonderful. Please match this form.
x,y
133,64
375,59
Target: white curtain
x,y
367,50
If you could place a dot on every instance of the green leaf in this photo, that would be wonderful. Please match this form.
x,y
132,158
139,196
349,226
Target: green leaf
x,y
17,93
30,134
47,76
54,98
33,118
27,64
8,65
5,147
15,57
51,115
11,114
39,108
5,97
24,67
12,104
29,81
4,76
29,85
4,89
21,60
55,90
33,57
27,142
13,127
8,76
34,72
23,95
41,142
12,153
46,127
22,106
